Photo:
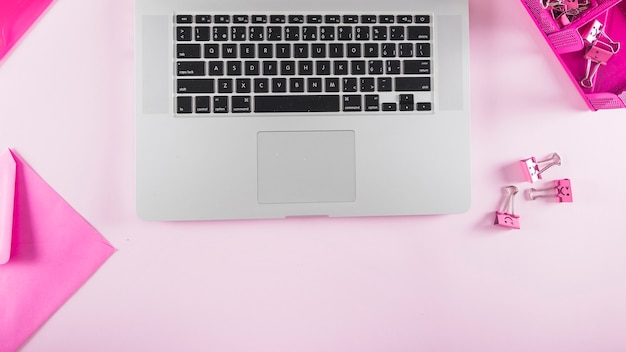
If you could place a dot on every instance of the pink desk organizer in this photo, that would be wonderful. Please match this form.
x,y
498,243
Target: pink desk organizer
x,y
16,16
569,46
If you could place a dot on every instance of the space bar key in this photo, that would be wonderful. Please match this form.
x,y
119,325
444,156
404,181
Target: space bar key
x,y
296,103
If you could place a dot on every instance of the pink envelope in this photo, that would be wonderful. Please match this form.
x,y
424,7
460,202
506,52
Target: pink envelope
x,y
53,251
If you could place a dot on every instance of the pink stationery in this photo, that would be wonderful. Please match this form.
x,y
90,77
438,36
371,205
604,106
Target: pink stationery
x,y
16,16
52,251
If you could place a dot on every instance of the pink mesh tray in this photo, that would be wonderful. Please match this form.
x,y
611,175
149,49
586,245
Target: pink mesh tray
x,y
16,16
567,40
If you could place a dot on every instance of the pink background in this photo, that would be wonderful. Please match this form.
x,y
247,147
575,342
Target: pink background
x,y
434,284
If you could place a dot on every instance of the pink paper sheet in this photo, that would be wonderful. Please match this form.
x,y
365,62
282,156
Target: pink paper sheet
x,y
53,252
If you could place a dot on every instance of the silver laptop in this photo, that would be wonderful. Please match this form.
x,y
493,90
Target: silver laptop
x,y
270,109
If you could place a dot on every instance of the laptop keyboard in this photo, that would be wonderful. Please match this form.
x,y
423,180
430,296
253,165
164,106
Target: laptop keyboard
x,y
292,63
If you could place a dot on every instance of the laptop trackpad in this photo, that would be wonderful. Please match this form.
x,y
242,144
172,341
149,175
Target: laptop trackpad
x,y
306,167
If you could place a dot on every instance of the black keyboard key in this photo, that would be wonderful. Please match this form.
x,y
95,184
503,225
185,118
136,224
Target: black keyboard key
x,y
344,33
314,85
384,84
292,33
422,50
370,50
314,19
296,19
379,33
368,84
350,85
184,19
241,19
270,68
396,33
390,106
266,51
203,34
220,104
296,103
350,19
406,50
183,105
332,19
375,67
243,85
358,67
277,19
184,34
203,105
368,19
274,33
261,85
220,33
305,68
335,50
323,68
406,98
211,51
188,51
405,19
216,68
296,85
301,51
241,104
233,68
252,68
354,50
238,33
372,102
222,18
387,19
331,84
406,107
229,51
341,68
318,51
362,33
187,86
309,33
424,106
190,68
203,19
259,19
225,85
256,33
393,67
288,68
417,67
327,33
418,32
246,51
279,85
388,50
352,103
422,19
412,84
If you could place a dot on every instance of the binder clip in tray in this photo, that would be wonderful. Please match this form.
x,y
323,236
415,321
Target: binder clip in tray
x,y
589,39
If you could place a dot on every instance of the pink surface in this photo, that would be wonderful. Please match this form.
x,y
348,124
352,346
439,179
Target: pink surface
x,y
433,284
16,17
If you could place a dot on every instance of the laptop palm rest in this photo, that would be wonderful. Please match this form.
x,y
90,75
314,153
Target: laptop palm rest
x,y
306,167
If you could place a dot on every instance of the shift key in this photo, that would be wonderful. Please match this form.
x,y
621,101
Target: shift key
x,y
412,84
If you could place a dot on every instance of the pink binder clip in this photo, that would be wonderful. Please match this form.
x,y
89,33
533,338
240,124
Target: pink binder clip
x,y
532,169
561,190
597,55
506,217
592,32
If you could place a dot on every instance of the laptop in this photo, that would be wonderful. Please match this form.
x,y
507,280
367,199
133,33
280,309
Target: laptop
x,y
272,109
